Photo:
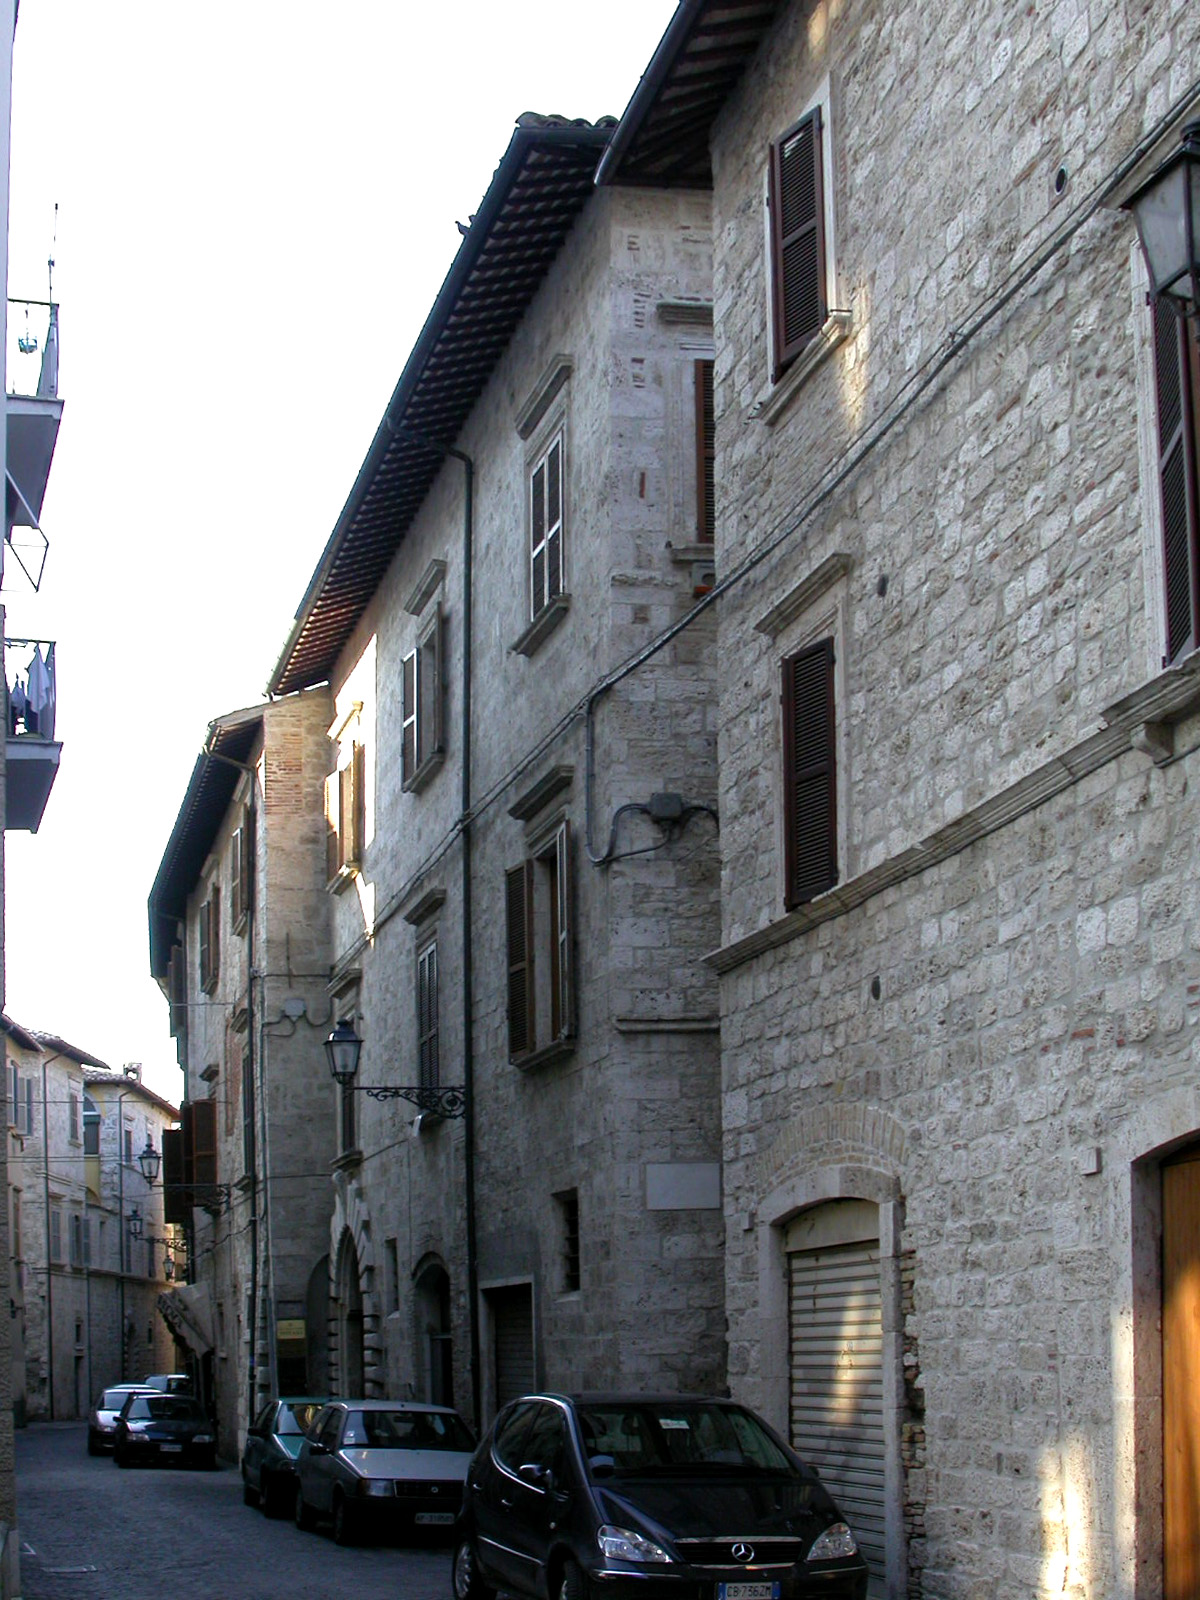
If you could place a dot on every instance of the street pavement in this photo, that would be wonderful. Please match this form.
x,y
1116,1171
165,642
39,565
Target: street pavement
x,y
90,1531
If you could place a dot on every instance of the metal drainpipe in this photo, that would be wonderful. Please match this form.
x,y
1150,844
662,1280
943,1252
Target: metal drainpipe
x,y
248,1114
49,1256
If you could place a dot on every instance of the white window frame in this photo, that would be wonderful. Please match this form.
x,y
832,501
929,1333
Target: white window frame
x,y
422,687
539,603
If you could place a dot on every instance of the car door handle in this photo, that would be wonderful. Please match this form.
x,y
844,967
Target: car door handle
x,y
507,1504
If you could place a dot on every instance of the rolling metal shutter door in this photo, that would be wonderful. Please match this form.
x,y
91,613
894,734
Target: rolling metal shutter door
x,y
836,1408
512,1339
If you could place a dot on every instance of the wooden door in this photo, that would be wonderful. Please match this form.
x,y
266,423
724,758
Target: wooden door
x,y
1181,1377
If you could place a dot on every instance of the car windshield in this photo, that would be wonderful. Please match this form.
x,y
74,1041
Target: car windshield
x,y
296,1417
406,1430
650,1437
164,1408
112,1400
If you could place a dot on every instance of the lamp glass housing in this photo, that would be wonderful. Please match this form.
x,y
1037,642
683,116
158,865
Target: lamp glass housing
x,y
1166,210
343,1048
135,1224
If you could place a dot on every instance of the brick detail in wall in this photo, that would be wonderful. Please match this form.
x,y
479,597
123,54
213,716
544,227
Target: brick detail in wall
x,y
912,1436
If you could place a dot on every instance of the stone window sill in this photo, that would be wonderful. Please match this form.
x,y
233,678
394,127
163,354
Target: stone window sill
x,y
560,1050
772,406
542,626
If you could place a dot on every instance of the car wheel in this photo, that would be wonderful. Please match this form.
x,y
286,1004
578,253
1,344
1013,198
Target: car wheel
x,y
574,1585
468,1584
120,1458
250,1497
304,1514
93,1444
345,1524
272,1497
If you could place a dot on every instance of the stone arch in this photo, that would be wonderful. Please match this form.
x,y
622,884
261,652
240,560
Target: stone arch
x,y
356,1347
827,1154
431,1317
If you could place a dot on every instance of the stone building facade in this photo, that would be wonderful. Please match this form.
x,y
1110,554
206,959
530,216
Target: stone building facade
x,y
958,720
516,916
239,940
85,1291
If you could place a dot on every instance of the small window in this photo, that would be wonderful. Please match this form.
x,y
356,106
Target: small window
x,y
241,871
541,989
26,1123
73,1126
546,527
345,793
423,742
1177,386
56,1239
177,991
809,774
76,1241
210,940
91,1127
428,1068
567,1204
392,1256
797,226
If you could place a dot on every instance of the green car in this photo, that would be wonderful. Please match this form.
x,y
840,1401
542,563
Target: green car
x,y
272,1445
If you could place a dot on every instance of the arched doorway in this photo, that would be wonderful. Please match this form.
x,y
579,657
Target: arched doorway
x,y
435,1349
349,1314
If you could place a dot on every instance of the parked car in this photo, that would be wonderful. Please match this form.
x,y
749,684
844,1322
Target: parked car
x,y
164,1427
170,1382
637,1497
393,1465
102,1419
269,1458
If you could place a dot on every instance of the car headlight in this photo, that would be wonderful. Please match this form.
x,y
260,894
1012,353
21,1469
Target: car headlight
x,y
203,1438
835,1543
136,1436
376,1487
623,1544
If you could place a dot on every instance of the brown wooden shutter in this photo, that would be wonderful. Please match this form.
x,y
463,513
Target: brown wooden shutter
x,y
332,832
235,875
177,990
214,935
427,1017
409,705
1177,377
204,1146
561,953
798,290
705,453
249,859
518,884
809,774
176,1199
205,948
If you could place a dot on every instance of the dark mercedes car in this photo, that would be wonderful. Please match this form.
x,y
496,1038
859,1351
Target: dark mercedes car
x,y
167,1428
272,1445
635,1497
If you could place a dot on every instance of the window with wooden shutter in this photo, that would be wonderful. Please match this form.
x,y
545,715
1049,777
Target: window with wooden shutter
x,y
332,844
799,295
1177,388
241,871
558,863
705,453
427,1017
809,774
546,528
519,921
408,743
235,881
210,940
177,991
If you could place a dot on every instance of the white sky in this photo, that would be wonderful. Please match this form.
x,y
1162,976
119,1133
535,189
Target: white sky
x,y
257,206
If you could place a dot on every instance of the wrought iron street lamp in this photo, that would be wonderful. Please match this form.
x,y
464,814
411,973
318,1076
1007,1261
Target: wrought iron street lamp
x,y
1166,210
343,1049
150,1161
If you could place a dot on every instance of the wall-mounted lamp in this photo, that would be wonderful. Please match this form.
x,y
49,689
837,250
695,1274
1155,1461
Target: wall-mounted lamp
x,y
1166,210
343,1048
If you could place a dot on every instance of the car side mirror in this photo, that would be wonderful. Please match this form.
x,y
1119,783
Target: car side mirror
x,y
538,1477
602,1466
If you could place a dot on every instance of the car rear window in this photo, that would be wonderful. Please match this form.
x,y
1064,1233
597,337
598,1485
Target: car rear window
x,y
406,1430
165,1408
296,1419
665,1438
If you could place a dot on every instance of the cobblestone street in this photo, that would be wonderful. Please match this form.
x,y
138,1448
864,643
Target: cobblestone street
x,y
92,1532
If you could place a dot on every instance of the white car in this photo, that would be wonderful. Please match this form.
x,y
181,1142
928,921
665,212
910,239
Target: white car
x,y
102,1421
396,1465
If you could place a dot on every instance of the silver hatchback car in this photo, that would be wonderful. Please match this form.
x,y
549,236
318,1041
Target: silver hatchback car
x,y
395,1466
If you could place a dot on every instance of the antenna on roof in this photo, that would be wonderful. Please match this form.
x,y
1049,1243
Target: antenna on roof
x,y
50,259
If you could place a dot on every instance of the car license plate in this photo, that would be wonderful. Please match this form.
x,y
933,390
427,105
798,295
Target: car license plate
x,y
434,1519
748,1591
171,1449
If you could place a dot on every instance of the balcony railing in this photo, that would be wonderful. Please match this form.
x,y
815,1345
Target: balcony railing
x,y
31,750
